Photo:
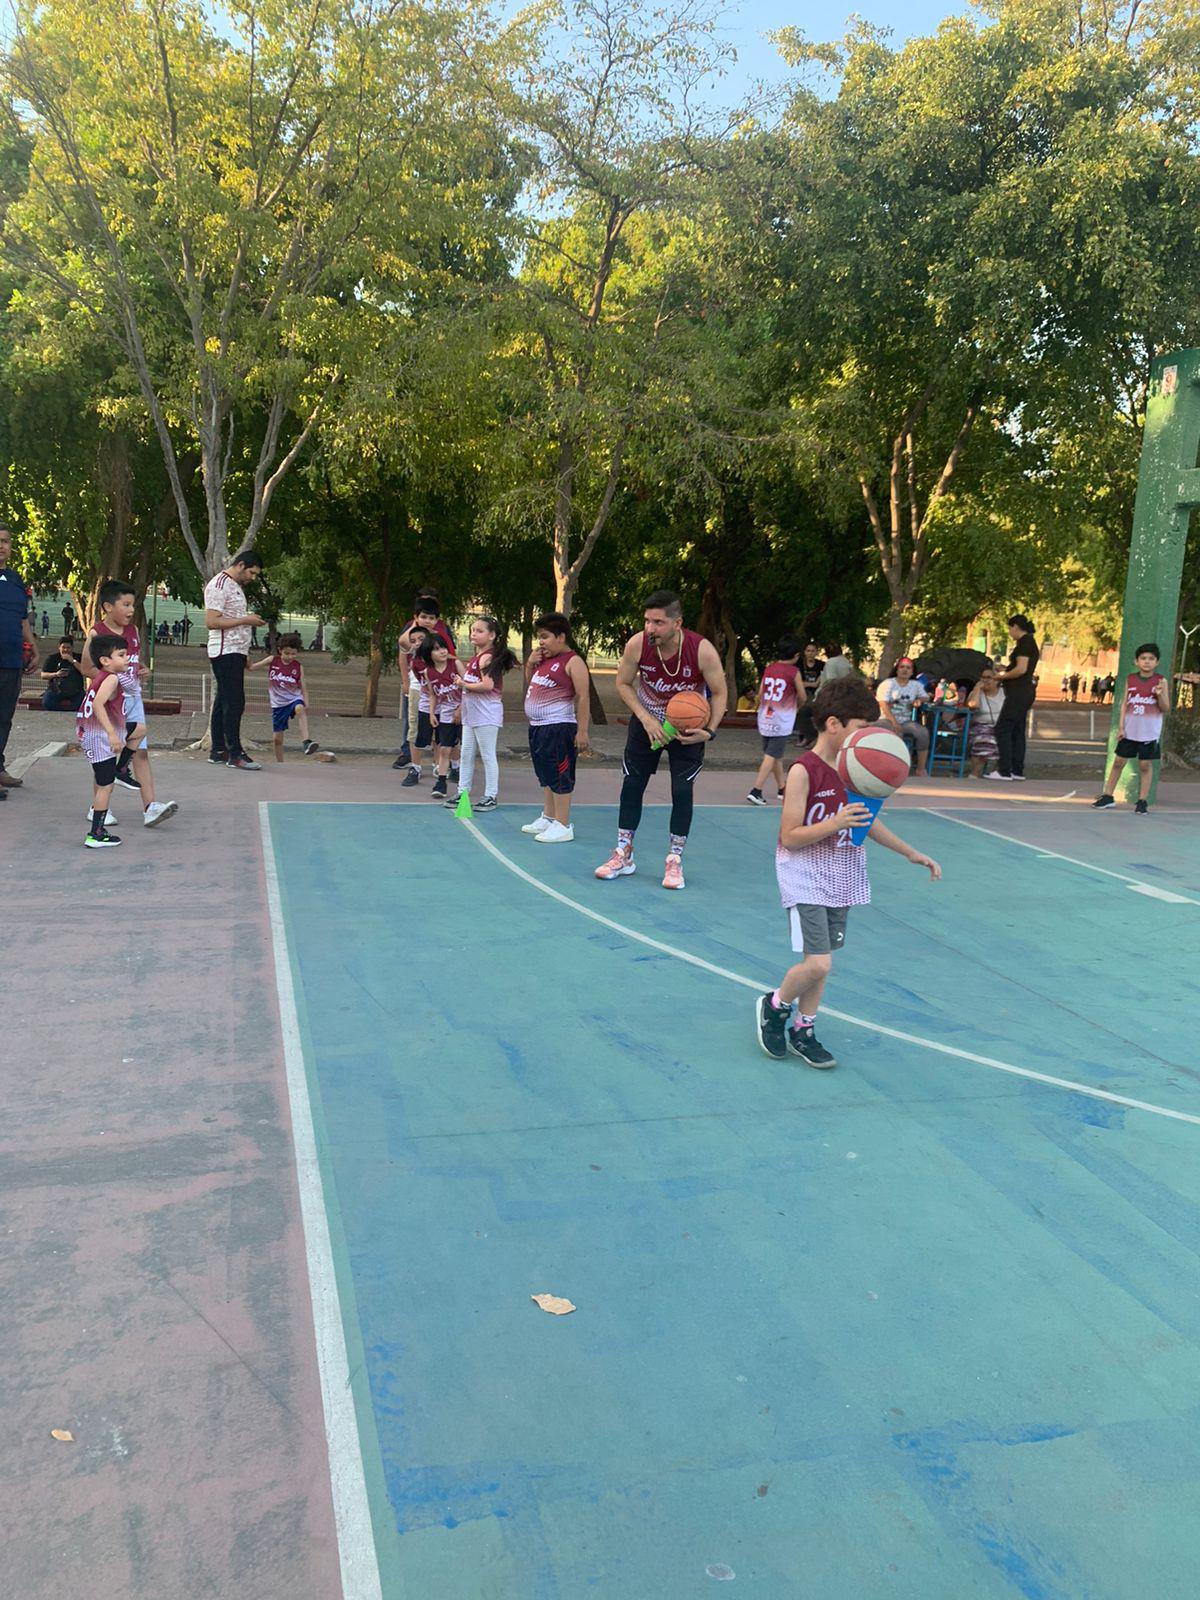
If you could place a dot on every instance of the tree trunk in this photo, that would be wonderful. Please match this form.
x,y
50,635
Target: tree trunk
x,y
374,671
716,624
526,632
893,644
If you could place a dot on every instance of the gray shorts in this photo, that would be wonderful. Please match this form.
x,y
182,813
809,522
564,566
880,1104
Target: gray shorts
x,y
817,930
774,744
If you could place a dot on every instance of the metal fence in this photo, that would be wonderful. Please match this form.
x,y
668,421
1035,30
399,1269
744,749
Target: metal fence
x,y
339,696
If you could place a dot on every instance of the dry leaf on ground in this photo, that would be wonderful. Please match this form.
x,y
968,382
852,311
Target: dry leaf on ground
x,y
63,1435
553,1303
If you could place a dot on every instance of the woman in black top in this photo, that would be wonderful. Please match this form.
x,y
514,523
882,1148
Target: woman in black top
x,y
1019,692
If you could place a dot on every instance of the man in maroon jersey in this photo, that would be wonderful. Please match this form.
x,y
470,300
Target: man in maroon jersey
x,y
661,660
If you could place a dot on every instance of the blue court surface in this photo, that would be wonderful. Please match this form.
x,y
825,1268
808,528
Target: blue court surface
x,y
926,1326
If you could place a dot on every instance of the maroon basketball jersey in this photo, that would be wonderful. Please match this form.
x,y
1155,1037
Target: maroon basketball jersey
x,y
659,679
443,691
550,696
777,699
832,872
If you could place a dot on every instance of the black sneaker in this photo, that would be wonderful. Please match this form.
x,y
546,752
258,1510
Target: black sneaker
x,y
126,779
755,797
310,747
101,841
804,1043
218,758
1142,808
488,803
411,778
452,800
771,1025
244,764
453,773
1102,802
438,792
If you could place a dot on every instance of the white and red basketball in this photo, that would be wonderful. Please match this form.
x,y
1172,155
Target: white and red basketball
x,y
874,762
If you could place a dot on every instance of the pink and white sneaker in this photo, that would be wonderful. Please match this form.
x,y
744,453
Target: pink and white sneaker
x,y
673,876
619,865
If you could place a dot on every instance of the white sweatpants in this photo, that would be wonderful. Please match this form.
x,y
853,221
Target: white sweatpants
x,y
482,739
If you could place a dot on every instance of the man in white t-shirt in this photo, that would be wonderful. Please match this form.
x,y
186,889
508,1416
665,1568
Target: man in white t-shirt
x,y
229,624
900,699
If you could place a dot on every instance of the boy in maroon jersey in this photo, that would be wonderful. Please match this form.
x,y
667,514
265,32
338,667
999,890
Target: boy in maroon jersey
x,y
661,660
1139,732
117,606
287,692
556,704
821,872
426,619
780,696
102,730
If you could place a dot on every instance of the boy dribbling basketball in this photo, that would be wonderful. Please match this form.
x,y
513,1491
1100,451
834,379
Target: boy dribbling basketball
x,y
821,872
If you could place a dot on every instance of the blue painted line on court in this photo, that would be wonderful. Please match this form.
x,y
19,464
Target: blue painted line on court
x,y
906,1328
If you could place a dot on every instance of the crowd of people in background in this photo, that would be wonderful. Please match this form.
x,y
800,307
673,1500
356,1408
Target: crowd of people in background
x,y
452,712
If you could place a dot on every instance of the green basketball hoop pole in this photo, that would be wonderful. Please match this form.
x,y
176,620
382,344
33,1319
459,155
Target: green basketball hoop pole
x,y
1168,488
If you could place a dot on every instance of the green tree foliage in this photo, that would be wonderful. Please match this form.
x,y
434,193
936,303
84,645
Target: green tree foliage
x,y
973,222
238,209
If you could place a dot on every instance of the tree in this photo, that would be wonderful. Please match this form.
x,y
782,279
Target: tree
x,y
235,209
614,106
945,261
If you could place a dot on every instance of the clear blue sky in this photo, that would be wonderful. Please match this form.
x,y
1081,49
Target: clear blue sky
x,y
751,19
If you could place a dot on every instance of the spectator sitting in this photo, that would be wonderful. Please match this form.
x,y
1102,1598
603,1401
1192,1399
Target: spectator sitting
x,y
63,679
900,698
986,701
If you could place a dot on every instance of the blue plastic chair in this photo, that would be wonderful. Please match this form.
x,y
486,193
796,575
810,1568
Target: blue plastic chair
x,y
949,740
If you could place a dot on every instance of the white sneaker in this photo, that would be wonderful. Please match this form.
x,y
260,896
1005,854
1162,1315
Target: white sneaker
x,y
158,811
998,777
1018,777
556,833
538,825
109,820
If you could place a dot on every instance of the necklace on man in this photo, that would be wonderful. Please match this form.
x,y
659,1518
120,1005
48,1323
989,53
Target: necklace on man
x,y
670,671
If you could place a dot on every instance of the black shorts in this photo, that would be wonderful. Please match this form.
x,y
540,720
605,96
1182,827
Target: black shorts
x,y
105,772
552,747
1139,749
684,760
424,730
447,735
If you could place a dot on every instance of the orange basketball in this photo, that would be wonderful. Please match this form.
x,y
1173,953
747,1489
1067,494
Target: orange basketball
x,y
687,711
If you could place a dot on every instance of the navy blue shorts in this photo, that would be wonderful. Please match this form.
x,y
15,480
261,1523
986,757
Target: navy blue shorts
x,y
282,715
552,747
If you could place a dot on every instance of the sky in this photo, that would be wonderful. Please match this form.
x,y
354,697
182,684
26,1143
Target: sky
x,y
751,19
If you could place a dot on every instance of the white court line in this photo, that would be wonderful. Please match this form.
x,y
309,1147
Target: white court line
x,y
351,1510
1136,884
842,1016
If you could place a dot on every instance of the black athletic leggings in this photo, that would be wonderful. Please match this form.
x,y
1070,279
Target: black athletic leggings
x,y
229,702
641,763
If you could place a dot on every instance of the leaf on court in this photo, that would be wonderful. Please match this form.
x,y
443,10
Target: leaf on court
x,y
326,755
552,1303
63,1435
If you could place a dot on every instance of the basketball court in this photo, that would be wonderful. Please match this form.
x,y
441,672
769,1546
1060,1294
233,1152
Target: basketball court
x,y
924,1326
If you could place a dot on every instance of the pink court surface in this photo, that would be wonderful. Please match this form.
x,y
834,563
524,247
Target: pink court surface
x,y
269,1188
